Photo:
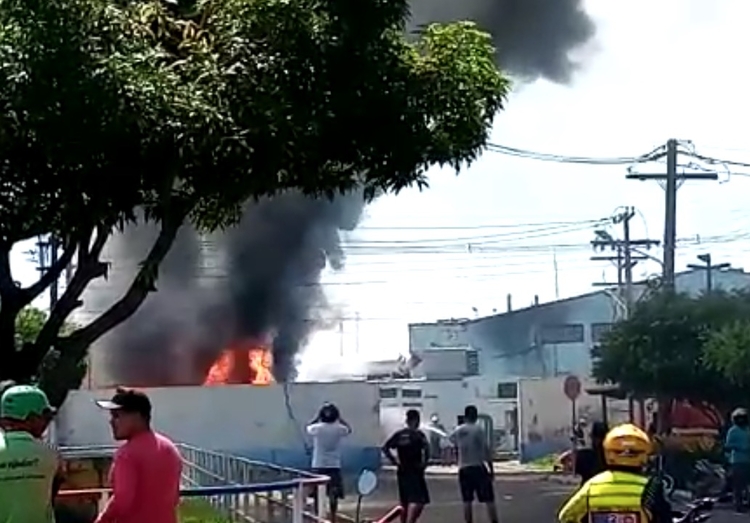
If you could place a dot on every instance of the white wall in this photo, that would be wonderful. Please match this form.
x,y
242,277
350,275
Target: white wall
x,y
231,418
447,399
546,415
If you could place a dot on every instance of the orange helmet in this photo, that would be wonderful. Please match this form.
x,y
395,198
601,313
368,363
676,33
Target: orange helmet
x,y
627,446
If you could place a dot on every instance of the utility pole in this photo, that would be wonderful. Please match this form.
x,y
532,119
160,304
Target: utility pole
x,y
709,268
356,332
52,245
672,180
626,256
341,337
46,257
557,278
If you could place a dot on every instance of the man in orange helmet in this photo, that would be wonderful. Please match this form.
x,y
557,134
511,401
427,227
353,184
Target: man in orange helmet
x,y
622,493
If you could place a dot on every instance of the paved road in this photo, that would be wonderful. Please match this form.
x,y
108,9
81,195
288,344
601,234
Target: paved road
x,y
523,498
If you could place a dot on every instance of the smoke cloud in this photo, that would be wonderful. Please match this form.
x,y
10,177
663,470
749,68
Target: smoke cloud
x,y
265,280
534,38
262,276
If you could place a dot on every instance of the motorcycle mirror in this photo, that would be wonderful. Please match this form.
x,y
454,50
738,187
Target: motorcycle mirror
x,y
367,482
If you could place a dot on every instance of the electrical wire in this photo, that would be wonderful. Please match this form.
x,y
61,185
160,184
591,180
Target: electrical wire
x,y
293,418
540,232
653,155
473,227
716,161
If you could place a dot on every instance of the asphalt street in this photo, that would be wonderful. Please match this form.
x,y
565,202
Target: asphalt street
x,y
522,497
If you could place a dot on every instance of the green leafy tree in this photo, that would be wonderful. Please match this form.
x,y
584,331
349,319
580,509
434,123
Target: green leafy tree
x,y
185,111
664,350
29,323
727,351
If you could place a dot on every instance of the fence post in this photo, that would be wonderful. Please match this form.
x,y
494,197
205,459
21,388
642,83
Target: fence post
x,y
103,499
320,498
298,503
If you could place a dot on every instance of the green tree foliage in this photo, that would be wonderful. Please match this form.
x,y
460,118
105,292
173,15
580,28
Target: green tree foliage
x,y
29,323
727,350
677,347
186,110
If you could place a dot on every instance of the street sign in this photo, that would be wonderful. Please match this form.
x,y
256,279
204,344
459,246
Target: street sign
x,y
572,387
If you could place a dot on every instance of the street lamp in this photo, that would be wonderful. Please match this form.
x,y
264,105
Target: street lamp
x,y
708,267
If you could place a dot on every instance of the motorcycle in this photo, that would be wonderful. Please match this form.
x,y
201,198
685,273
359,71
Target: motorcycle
x,y
697,511
709,480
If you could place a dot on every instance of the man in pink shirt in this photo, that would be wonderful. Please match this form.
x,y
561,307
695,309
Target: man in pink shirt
x,y
146,470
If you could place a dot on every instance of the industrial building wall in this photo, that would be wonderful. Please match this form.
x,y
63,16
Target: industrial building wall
x,y
546,415
255,422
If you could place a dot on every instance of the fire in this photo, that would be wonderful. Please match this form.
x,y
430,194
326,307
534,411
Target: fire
x,y
247,363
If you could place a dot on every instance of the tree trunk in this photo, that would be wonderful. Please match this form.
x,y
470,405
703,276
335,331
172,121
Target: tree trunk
x,y
13,367
63,370
664,415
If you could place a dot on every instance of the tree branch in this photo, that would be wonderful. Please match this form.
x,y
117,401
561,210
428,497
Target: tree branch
x,y
8,287
143,284
89,268
53,273
10,305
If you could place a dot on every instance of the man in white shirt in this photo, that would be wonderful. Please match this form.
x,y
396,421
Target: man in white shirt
x,y
328,430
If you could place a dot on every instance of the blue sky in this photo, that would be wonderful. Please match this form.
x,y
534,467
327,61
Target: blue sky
x,y
656,70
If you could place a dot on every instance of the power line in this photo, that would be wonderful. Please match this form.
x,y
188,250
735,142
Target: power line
x,y
475,227
531,233
655,154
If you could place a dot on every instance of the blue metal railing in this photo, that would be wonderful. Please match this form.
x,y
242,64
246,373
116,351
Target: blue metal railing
x,y
239,489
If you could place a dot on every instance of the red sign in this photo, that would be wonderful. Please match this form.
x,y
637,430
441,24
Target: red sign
x,y
572,387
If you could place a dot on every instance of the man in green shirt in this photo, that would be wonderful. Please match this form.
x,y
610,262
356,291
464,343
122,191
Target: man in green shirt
x,y
28,466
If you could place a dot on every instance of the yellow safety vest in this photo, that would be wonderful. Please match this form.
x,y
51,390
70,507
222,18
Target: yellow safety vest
x,y
615,497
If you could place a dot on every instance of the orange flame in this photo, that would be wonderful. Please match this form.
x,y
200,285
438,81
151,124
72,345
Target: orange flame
x,y
245,363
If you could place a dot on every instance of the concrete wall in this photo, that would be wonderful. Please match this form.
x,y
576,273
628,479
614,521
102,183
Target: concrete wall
x,y
447,399
250,421
546,415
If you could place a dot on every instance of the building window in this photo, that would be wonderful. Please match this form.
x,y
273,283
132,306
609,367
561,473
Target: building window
x,y
507,391
472,363
388,393
562,333
411,393
599,330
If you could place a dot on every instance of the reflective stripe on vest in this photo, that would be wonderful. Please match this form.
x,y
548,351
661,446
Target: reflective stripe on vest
x,y
616,492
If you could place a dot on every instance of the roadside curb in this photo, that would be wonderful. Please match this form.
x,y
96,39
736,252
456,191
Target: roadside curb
x,y
682,496
499,471
564,479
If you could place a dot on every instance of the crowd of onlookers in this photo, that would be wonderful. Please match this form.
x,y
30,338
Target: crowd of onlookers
x,y
146,469
409,450
145,474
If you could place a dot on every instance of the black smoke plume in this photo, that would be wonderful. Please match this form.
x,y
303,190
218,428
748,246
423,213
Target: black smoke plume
x,y
266,281
534,38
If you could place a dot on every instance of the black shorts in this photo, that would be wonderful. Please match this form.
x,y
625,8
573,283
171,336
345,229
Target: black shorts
x,y
412,488
335,486
476,482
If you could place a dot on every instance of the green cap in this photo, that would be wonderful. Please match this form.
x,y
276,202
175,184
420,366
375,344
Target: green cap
x,y
22,401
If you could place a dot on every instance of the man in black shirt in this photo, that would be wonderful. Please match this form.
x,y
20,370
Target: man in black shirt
x,y
411,458
589,461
